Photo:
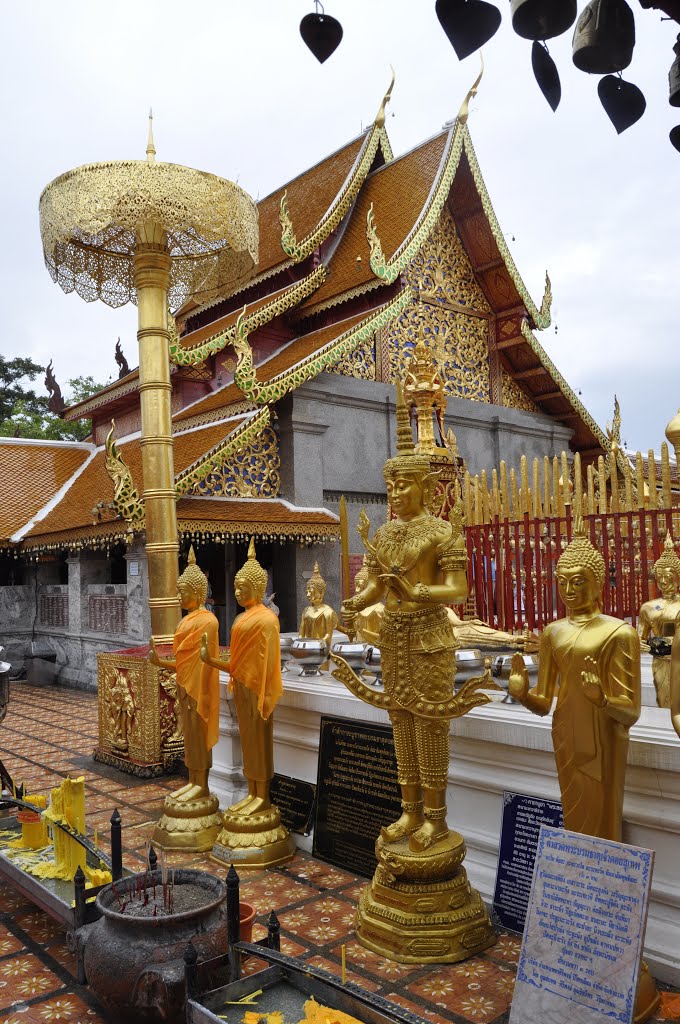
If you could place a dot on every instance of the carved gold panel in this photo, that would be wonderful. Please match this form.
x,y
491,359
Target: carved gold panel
x,y
251,472
514,397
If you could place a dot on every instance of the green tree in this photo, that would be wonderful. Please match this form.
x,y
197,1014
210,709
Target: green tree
x,y
25,414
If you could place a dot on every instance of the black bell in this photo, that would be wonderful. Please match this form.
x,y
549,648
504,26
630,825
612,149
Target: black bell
x,y
674,136
604,37
321,33
623,102
542,19
545,73
467,23
674,77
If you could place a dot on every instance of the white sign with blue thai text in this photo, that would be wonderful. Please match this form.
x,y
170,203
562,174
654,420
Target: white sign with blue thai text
x,y
584,932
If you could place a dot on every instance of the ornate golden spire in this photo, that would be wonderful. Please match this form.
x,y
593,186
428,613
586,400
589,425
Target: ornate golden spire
x,y
379,121
150,148
463,112
404,433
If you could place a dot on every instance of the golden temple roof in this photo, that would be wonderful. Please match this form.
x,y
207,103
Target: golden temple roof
x,y
32,473
246,517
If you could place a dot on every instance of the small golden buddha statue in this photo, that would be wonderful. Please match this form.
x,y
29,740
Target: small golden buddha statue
x,y
190,820
367,622
657,617
252,834
318,619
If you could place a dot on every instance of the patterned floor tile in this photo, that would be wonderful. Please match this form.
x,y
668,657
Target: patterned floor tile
x,y
336,968
24,977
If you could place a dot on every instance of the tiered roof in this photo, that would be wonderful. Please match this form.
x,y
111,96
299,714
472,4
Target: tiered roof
x,y
336,246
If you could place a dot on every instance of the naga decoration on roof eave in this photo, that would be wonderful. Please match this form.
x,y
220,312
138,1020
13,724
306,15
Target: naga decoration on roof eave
x,y
257,318
375,137
215,458
389,270
568,393
127,503
245,376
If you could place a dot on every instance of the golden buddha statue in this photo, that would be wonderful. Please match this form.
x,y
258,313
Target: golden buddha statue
x,y
190,820
417,562
596,659
367,622
318,619
675,686
657,617
252,834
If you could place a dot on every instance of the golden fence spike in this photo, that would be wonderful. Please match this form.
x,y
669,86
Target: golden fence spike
x,y
515,494
538,511
547,508
651,478
665,477
505,496
578,484
486,518
602,480
640,481
590,476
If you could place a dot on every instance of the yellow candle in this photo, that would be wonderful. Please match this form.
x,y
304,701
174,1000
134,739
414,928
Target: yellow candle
x,y
344,964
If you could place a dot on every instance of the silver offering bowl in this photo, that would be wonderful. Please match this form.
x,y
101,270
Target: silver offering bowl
x,y
285,644
309,655
373,666
501,669
351,651
469,663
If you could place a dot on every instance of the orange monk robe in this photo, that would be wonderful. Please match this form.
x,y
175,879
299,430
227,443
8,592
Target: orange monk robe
x,y
200,681
255,656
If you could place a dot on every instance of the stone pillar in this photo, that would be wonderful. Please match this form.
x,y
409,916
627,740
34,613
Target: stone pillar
x,y
137,576
75,607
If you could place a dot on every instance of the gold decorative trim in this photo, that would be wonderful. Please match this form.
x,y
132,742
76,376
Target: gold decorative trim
x,y
213,460
570,395
299,251
102,398
540,318
317,534
225,412
336,300
258,318
261,393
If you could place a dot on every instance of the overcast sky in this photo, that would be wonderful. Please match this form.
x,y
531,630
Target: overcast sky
x,y
235,91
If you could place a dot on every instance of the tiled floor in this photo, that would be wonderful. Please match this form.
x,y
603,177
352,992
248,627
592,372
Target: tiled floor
x,y
49,733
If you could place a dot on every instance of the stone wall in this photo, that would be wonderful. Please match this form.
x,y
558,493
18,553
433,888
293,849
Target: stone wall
x,y
336,434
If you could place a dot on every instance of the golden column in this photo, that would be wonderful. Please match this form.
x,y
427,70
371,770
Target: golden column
x,y
154,233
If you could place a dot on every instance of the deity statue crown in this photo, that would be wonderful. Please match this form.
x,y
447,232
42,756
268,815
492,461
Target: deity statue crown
x,y
580,553
668,559
253,573
317,580
194,577
407,460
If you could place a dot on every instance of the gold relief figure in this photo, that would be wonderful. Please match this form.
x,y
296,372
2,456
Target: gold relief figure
x,y
318,619
475,633
657,617
595,658
121,709
190,819
418,565
253,825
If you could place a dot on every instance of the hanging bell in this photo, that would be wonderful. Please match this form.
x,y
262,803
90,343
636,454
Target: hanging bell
x,y
674,77
546,74
674,136
468,23
623,102
321,33
604,37
542,19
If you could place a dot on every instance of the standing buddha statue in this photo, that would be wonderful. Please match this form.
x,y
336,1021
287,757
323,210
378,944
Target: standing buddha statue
x,y
318,619
190,818
416,563
252,834
595,658
657,618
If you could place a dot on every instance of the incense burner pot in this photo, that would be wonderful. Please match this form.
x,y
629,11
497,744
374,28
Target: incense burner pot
x,y
134,964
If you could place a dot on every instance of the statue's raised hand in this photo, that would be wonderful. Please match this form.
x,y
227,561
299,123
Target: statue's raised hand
x,y
518,683
591,682
153,653
204,647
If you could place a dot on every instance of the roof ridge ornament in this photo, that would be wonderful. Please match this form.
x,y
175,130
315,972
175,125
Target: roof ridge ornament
x,y
379,121
472,92
150,148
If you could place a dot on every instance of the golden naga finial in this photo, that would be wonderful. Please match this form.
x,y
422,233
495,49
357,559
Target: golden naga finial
x,y
463,112
379,121
546,302
150,148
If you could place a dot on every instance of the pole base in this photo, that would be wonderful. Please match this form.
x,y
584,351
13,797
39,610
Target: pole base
x,y
256,840
191,826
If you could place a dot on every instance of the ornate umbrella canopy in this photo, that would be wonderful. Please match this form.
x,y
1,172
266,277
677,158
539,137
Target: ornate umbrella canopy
x,y
93,218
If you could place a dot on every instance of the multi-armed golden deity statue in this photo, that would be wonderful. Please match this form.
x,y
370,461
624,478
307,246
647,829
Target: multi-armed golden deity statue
x,y
657,618
318,619
190,818
596,660
252,834
419,907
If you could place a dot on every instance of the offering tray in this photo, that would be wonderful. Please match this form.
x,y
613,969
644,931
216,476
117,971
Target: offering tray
x,y
285,987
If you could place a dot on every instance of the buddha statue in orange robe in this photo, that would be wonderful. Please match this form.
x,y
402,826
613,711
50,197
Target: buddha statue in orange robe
x,y
197,682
